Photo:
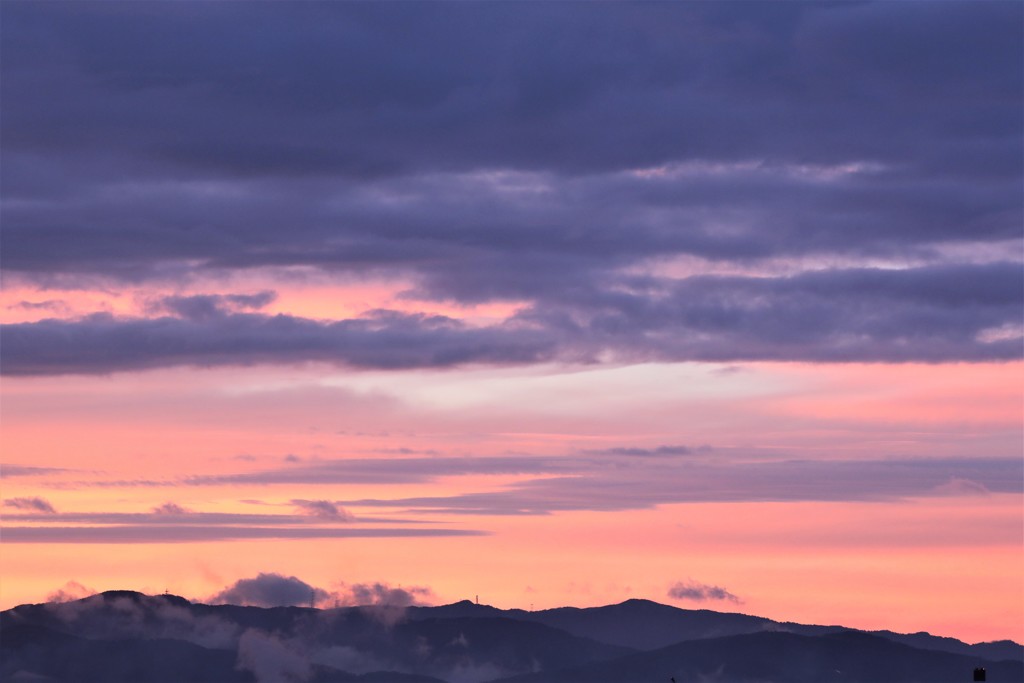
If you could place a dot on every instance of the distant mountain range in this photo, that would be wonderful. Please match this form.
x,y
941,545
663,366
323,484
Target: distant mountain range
x,y
129,637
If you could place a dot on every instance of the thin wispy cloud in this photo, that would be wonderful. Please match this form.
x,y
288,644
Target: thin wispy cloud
x,y
34,504
597,488
619,478
36,510
659,451
184,533
170,510
323,509
72,590
10,470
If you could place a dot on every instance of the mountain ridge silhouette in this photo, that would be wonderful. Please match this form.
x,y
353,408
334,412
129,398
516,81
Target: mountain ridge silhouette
x,y
130,637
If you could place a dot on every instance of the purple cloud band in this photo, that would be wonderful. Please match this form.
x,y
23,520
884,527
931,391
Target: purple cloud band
x,y
932,314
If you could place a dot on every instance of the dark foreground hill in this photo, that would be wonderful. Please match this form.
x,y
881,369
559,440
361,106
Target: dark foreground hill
x,y
37,654
29,649
648,625
844,657
127,637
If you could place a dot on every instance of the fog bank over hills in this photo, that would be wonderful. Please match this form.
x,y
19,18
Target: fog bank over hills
x,y
130,637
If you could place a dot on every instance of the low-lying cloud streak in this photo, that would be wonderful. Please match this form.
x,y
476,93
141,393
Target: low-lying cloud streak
x,y
184,533
604,486
390,470
34,504
163,518
612,480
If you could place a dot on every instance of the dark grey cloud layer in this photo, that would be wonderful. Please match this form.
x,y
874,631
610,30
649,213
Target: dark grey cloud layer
x,y
399,88
101,343
544,153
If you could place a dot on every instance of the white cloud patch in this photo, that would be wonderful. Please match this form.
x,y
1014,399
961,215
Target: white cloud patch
x,y
72,590
957,486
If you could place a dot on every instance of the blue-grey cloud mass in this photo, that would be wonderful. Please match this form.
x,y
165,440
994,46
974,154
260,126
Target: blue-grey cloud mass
x,y
270,590
651,181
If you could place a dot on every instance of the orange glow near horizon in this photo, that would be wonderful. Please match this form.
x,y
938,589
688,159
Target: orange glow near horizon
x,y
872,582
128,440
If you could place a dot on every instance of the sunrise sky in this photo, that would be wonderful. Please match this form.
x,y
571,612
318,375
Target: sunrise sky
x,y
715,304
